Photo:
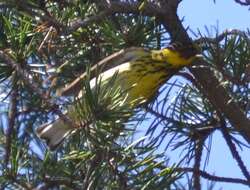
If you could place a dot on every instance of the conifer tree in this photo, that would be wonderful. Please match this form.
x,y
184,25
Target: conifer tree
x,y
46,44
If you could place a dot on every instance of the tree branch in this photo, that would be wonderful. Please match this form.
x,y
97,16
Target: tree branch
x,y
197,163
211,177
166,12
149,9
74,25
243,2
221,100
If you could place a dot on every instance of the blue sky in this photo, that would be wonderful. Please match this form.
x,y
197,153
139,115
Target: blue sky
x,y
225,14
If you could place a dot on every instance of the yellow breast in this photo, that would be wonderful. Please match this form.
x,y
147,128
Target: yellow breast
x,y
142,85
140,81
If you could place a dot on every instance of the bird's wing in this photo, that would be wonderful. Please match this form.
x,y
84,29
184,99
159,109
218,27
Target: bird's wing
x,y
125,55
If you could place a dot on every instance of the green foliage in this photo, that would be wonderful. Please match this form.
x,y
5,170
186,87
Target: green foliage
x,y
105,109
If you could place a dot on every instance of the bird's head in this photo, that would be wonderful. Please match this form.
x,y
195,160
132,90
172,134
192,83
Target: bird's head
x,y
176,55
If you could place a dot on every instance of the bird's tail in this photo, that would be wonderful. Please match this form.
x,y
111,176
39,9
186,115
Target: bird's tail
x,y
54,133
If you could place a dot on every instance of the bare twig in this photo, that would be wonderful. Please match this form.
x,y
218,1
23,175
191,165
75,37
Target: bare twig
x,y
214,177
45,38
197,163
220,37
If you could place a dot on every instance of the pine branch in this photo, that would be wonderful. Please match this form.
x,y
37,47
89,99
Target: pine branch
x,y
243,2
161,116
34,87
221,100
234,151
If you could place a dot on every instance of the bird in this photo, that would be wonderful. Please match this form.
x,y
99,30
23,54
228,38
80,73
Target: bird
x,y
140,71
